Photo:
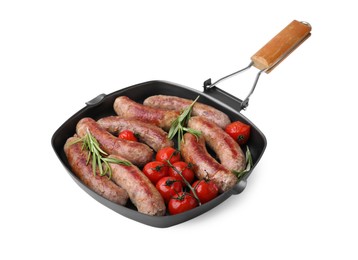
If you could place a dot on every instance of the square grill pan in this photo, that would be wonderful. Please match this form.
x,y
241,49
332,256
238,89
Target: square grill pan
x,y
102,106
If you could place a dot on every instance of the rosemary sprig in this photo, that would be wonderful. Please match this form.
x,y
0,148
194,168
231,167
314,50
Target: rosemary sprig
x,y
178,126
90,143
249,164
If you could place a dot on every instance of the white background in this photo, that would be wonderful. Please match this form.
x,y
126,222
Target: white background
x,y
301,200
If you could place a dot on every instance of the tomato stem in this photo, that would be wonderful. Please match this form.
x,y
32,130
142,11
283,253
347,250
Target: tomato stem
x,y
186,182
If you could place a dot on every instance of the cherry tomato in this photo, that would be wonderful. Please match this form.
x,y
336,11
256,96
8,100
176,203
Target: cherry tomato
x,y
206,190
185,169
181,202
128,135
168,153
169,187
155,171
239,131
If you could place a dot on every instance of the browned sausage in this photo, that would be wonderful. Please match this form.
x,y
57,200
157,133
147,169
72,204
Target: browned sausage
x,y
127,108
194,151
135,152
77,158
226,148
150,134
199,109
141,191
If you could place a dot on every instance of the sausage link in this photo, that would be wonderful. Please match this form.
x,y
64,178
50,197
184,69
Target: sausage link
x,y
141,191
194,151
178,104
77,158
127,108
150,134
226,148
135,152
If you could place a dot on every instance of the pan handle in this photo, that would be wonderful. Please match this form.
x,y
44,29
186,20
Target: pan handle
x,y
280,46
270,55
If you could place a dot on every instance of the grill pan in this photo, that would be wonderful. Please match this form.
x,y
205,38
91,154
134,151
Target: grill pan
x,y
102,106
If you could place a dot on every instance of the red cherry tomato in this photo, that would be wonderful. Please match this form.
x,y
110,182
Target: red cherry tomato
x,y
168,153
181,202
205,190
128,135
155,171
239,131
169,187
185,169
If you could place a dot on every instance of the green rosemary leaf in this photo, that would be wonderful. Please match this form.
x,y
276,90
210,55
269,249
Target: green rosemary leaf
x,y
94,143
249,164
94,163
108,170
249,161
99,163
178,126
88,157
90,143
184,114
78,140
194,132
180,137
115,160
173,129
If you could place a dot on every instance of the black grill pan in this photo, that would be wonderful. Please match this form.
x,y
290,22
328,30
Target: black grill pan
x,y
102,106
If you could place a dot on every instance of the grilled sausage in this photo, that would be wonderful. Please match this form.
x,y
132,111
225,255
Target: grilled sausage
x,y
141,191
226,148
194,151
77,158
135,152
127,108
150,134
199,109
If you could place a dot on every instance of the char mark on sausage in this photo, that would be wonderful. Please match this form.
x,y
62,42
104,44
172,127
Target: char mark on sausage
x,y
194,151
179,104
127,108
226,148
141,191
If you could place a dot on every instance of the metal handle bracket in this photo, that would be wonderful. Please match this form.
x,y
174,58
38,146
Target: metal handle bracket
x,y
207,83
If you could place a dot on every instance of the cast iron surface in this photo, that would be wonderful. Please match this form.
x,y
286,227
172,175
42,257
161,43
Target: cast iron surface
x,y
102,106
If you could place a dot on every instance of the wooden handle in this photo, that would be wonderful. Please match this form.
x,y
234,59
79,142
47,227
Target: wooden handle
x,y
276,50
